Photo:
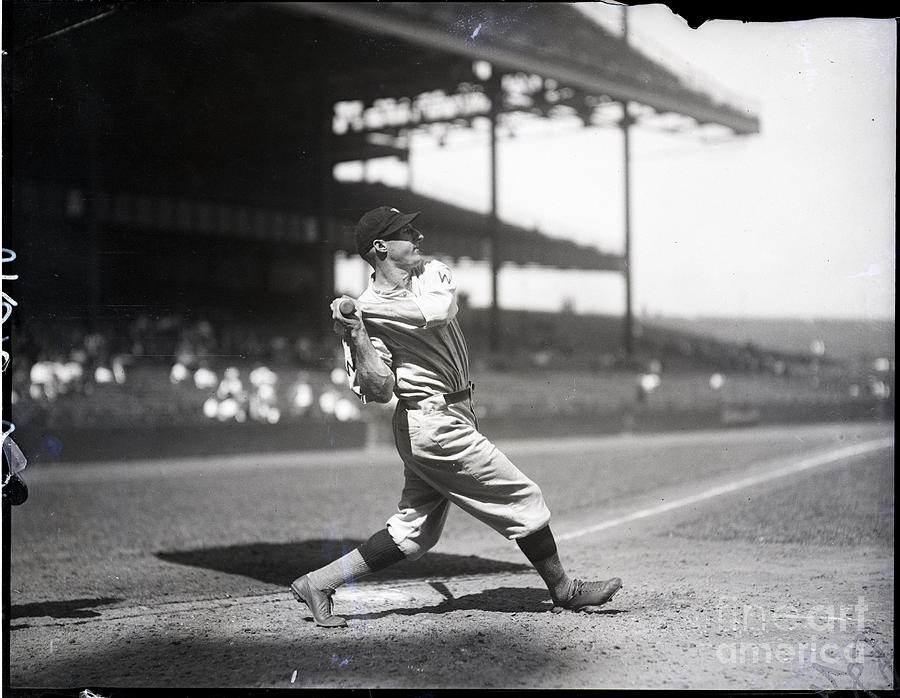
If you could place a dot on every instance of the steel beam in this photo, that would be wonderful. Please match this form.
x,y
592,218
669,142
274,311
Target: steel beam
x,y
375,18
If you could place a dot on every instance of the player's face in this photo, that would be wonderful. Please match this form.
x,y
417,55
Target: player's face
x,y
403,246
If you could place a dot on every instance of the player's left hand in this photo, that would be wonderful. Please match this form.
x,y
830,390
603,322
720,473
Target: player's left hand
x,y
345,324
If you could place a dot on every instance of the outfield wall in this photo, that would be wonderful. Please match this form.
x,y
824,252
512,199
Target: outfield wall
x,y
73,445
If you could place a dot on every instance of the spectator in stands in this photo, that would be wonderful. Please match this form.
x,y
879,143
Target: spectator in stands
x,y
263,396
301,395
232,396
43,381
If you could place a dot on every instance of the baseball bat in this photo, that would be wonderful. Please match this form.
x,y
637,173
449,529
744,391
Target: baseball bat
x,y
347,307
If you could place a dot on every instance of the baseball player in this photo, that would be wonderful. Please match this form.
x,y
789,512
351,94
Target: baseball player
x,y
401,337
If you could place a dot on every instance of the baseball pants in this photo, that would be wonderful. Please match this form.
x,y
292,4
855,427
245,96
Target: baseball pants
x,y
447,460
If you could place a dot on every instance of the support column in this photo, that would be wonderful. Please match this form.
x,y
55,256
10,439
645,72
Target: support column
x,y
495,330
85,217
324,209
628,329
321,183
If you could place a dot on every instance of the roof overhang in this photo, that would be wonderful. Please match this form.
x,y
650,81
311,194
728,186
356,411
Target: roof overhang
x,y
552,40
217,101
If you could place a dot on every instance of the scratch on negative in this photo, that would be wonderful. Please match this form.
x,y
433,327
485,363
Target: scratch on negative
x,y
70,27
477,31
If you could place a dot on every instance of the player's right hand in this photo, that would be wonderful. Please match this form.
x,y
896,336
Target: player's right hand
x,y
345,324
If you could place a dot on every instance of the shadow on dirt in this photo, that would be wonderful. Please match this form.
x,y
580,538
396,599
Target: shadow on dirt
x,y
499,600
282,563
269,663
76,608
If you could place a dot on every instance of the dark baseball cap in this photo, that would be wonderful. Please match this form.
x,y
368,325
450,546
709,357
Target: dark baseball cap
x,y
377,223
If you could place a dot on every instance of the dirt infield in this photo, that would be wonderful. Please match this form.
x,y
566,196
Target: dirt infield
x,y
783,584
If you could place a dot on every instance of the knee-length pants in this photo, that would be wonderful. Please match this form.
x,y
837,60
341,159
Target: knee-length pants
x,y
446,459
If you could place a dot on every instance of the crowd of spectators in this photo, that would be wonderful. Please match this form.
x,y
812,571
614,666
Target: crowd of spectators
x,y
224,373
155,368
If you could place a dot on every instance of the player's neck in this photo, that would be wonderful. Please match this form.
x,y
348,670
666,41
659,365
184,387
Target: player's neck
x,y
389,276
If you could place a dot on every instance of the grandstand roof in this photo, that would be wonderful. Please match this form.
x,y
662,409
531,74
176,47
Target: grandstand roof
x,y
234,102
552,40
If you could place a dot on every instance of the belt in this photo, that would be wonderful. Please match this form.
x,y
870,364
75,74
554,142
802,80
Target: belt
x,y
459,395
449,398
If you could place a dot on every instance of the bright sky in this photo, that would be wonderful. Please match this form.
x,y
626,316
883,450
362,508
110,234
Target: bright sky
x,y
797,221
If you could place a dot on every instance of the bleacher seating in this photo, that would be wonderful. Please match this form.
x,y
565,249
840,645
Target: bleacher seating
x,y
552,364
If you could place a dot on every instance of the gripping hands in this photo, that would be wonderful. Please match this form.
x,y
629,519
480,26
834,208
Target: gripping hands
x,y
347,316
370,372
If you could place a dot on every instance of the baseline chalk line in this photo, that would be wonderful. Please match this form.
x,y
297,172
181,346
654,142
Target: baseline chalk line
x,y
799,466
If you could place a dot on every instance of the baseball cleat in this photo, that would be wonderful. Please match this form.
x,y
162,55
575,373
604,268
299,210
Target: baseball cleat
x,y
318,601
588,596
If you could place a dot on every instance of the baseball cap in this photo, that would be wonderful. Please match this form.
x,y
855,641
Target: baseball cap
x,y
377,223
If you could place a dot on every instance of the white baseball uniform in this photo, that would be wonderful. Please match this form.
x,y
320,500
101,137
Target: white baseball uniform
x,y
446,458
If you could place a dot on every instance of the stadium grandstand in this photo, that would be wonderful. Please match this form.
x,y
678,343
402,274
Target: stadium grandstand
x,y
170,198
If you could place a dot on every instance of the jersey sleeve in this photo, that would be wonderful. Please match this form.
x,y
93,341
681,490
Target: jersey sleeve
x,y
437,301
350,365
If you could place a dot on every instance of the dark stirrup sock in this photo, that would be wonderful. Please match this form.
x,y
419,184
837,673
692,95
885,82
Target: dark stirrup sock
x,y
538,545
540,549
375,554
380,551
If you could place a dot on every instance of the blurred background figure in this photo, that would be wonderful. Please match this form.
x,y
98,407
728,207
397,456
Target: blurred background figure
x,y
179,373
301,395
263,396
205,378
232,396
649,380
43,381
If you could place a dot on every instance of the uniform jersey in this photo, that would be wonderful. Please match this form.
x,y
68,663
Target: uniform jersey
x,y
427,359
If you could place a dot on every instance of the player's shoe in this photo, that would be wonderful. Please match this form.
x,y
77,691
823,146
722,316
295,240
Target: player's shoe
x,y
319,602
588,596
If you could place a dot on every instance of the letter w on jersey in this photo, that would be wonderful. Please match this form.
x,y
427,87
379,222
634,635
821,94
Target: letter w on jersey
x,y
350,366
